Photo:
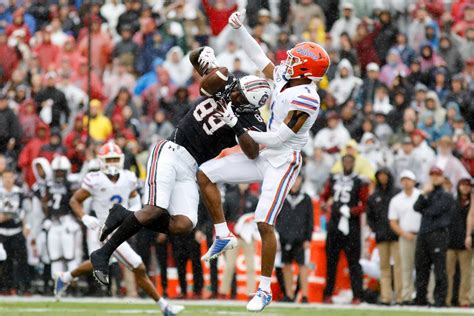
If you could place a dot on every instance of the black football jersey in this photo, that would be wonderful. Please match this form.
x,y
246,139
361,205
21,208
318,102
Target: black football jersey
x,y
345,191
59,195
205,136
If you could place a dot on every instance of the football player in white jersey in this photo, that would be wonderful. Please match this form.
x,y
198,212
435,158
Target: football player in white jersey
x,y
295,107
110,186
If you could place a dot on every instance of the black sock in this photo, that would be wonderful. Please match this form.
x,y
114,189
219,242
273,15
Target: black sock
x,y
127,229
161,223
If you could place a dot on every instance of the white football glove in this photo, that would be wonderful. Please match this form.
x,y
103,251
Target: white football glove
x,y
3,253
91,222
345,211
236,20
207,59
226,114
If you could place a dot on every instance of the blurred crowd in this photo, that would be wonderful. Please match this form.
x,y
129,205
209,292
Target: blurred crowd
x,y
396,115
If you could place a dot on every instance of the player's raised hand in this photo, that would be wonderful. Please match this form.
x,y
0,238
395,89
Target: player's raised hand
x,y
237,19
207,59
225,113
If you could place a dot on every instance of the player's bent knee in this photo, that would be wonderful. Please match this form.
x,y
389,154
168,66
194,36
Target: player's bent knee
x,y
265,228
180,225
140,270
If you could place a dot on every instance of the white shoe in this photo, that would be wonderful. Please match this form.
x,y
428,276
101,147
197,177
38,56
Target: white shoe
x,y
172,310
261,300
59,285
219,246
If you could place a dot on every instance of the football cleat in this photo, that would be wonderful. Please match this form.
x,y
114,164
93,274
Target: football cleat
x,y
261,300
59,285
100,267
219,246
172,310
117,214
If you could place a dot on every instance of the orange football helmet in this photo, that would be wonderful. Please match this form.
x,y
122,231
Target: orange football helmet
x,y
111,158
307,60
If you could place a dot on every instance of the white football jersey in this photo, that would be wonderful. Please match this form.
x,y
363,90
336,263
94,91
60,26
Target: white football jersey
x,y
105,193
299,98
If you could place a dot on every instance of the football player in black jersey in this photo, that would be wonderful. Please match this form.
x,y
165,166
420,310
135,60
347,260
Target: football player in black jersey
x,y
171,193
63,238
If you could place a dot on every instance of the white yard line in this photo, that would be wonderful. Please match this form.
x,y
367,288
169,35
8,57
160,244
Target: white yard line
x,y
211,303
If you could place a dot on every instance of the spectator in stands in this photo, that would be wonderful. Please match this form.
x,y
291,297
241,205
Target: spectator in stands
x,y
386,31
451,55
316,170
126,48
407,54
349,194
333,137
369,85
10,58
52,104
295,227
31,151
157,93
117,78
362,166
54,146
302,13
416,28
346,23
406,159
457,252
405,222
365,47
100,126
385,237
178,66
392,68
346,85
452,168
436,207
10,129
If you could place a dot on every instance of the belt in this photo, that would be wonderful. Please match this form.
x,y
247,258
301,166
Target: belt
x,y
10,231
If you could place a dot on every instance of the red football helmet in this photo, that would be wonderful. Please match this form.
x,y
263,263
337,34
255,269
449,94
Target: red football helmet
x,y
307,60
111,158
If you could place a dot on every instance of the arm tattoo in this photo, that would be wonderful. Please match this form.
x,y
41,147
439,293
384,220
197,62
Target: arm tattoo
x,y
295,116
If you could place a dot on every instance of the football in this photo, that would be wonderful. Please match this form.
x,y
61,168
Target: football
x,y
214,81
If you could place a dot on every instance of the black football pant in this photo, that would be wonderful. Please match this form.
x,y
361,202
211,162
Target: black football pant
x,y
351,245
14,272
187,248
431,250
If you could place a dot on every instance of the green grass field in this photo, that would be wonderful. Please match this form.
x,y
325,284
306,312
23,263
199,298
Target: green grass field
x,y
8,308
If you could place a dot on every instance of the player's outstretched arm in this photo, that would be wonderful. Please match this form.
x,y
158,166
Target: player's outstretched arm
x,y
292,124
250,45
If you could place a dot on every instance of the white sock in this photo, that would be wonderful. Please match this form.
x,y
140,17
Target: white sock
x,y
67,277
163,303
265,283
222,230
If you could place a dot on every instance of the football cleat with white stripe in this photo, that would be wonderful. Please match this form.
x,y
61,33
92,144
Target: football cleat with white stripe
x,y
219,246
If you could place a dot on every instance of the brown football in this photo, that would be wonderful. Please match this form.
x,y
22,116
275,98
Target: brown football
x,y
214,81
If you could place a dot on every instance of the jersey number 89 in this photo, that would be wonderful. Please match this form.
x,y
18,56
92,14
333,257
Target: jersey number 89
x,y
203,111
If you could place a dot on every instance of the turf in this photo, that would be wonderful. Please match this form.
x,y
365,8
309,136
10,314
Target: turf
x,y
99,309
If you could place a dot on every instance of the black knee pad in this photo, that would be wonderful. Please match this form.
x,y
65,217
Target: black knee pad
x,y
160,223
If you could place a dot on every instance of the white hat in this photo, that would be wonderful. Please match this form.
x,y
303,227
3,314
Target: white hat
x,y
372,67
348,5
407,174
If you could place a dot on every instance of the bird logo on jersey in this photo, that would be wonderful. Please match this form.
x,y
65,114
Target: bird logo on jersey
x,y
306,60
111,159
